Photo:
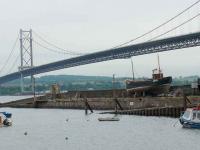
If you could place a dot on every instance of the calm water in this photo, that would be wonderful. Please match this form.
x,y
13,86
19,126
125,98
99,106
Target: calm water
x,y
48,128
4,99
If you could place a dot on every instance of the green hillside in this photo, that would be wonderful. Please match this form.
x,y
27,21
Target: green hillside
x,y
78,82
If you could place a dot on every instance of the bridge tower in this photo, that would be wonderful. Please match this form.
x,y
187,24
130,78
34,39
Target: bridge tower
x,y
26,53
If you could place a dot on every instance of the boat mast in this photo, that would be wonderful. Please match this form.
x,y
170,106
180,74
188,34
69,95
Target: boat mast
x,y
159,71
113,85
132,68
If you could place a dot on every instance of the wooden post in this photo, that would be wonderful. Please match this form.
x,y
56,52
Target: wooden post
x,y
86,110
116,107
184,102
143,94
117,103
87,106
113,86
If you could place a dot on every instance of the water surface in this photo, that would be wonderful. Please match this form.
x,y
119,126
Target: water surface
x,y
47,129
4,99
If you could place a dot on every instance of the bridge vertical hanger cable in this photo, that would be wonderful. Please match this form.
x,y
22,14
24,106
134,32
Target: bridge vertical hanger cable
x,y
10,55
133,74
159,26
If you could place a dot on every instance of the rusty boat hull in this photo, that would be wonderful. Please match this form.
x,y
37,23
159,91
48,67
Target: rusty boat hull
x,y
149,86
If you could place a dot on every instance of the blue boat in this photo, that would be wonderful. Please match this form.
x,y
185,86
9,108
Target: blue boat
x,y
5,119
191,118
7,114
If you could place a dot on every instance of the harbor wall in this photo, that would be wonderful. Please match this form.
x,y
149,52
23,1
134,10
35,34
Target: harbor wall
x,y
109,103
103,103
118,101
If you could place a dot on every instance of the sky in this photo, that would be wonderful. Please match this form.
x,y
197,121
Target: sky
x,y
88,26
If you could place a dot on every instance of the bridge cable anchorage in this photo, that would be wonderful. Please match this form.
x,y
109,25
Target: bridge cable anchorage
x,y
55,46
174,28
10,55
157,27
52,50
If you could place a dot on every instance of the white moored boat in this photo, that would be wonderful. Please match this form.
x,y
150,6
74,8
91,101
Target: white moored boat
x,y
191,118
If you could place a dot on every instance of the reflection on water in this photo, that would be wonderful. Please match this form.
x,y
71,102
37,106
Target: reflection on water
x,y
4,99
61,129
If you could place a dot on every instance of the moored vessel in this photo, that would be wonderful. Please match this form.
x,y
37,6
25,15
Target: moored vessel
x,y
5,119
158,84
191,118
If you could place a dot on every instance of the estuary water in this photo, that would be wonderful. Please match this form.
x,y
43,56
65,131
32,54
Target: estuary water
x,y
61,129
4,99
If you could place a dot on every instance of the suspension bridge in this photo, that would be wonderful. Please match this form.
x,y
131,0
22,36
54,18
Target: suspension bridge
x,y
122,51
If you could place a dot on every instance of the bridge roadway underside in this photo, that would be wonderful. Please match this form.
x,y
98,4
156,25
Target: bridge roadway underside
x,y
172,43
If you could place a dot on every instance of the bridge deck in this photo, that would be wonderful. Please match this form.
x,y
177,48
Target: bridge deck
x,y
172,43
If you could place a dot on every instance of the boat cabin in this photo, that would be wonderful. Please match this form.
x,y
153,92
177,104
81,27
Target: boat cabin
x,y
157,74
192,114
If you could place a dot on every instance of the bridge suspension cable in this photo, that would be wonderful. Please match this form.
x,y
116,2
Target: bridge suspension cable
x,y
157,27
52,50
10,55
185,22
13,65
55,46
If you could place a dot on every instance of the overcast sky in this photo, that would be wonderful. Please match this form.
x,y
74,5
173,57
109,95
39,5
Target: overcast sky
x,y
94,25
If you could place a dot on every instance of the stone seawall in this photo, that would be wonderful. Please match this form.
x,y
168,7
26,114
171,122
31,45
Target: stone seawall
x,y
102,103
109,103
148,106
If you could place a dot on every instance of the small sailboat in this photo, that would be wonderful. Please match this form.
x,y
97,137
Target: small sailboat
x,y
191,118
5,119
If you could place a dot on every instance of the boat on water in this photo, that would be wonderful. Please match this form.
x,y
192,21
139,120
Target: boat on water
x,y
158,84
191,118
5,119
109,119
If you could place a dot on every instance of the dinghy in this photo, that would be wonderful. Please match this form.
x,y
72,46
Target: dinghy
x,y
108,119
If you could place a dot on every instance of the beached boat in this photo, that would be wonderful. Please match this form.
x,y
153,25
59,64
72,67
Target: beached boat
x,y
108,119
158,84
191,118
5,119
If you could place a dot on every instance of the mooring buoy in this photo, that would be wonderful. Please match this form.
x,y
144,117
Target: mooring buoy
x,y
25,133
